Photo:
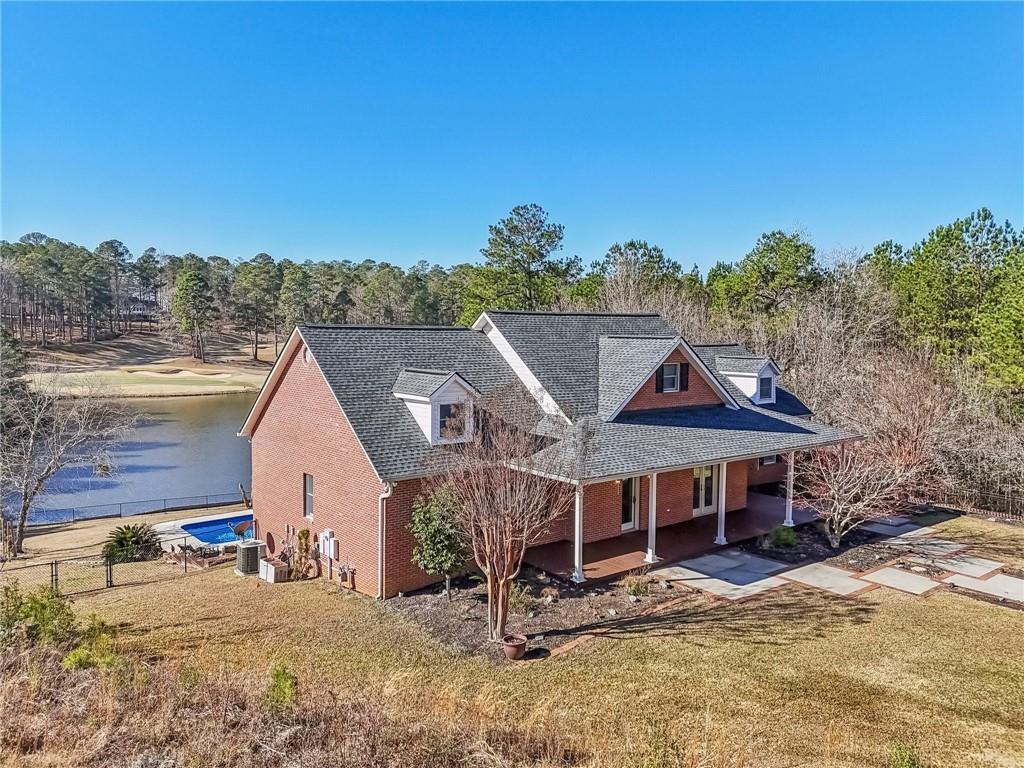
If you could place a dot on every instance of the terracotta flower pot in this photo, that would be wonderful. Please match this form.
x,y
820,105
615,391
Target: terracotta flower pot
x,y
514,646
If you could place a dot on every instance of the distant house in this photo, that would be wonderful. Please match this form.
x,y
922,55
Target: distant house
x,y
687,438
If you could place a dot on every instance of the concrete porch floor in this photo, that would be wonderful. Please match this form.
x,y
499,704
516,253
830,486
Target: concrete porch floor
x,y
613,557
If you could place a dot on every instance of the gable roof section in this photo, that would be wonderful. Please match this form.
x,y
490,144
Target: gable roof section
x,y
363,363
422,383
749,365
624,364
561,349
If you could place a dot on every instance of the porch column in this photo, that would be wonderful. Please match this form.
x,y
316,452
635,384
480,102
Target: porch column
x,y
652,517
577,541
789,490
720,538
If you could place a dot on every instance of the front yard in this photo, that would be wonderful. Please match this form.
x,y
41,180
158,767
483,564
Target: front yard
x,y
790,677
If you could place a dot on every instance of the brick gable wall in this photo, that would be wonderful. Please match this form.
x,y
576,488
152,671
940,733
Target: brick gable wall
x,y
302,430
698,393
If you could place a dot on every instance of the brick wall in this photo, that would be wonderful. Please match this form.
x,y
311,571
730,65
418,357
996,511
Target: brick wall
x,y
735,485
698,393
302,430
400,573
772,473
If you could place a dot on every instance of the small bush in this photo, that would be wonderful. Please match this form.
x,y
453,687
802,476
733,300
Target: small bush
x,y
132,543
283,688
904,756
96,649
637,584
48,616
521,599
11,602
784,536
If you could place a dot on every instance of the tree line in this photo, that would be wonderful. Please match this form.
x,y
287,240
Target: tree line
x,y
958,292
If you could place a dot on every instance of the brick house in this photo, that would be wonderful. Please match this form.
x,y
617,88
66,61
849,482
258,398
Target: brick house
x,y
687,438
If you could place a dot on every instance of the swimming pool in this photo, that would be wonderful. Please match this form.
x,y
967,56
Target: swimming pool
x,y
220,531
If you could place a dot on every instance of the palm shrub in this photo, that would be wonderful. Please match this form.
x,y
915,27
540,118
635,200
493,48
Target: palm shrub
x,y
131,543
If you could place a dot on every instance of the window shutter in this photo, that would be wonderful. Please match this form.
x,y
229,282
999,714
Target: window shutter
x,y
684,377
659,379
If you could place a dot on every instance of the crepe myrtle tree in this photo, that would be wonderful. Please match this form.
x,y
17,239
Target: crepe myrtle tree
x,y
439,547
514,475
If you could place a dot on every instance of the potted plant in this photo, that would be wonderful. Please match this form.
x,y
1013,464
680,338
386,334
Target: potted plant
x,y
514,646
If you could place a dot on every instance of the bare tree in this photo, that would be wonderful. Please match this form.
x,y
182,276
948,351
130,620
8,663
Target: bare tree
x,y
907,413
510,482
46,430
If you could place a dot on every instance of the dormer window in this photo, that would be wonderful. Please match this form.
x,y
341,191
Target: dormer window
x,y
766,388
441,402
672,377
453,422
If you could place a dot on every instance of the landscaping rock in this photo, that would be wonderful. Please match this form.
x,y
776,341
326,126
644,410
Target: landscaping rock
x,y
612,612
633,598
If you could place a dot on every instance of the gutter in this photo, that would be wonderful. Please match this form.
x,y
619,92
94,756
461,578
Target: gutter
x,y
389,488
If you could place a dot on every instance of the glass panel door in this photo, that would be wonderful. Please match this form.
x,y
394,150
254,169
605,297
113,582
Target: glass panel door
x,y
630,486
705,488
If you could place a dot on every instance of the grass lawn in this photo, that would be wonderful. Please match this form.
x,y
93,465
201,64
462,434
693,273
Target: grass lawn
x,y
792,678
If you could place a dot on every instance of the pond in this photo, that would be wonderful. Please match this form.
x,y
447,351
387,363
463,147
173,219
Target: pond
x,y
183,450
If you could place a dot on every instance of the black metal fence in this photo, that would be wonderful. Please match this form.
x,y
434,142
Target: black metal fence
x,y
89,573
130,508
1004,505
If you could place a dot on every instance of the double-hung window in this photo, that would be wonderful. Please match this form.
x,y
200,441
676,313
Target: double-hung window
x,y
766,388
307,490
670,377
453,420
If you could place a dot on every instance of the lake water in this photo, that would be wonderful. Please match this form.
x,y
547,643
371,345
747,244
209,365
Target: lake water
x,y
183,448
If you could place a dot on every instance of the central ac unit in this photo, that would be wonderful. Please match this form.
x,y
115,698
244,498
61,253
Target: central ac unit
x,y
249,555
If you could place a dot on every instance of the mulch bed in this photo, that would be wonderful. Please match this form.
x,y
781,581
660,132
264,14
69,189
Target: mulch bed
x,y
462,623
859,551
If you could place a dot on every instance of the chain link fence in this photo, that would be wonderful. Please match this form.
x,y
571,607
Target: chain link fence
x,y
90,573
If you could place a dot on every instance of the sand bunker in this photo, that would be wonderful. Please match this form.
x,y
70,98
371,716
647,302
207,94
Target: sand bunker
x,y
180,373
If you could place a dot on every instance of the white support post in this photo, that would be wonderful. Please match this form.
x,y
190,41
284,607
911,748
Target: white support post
x,y
789,490
577,541
720,538
652,517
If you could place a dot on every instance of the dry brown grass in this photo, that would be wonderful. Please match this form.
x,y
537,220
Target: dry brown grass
x,y
792,678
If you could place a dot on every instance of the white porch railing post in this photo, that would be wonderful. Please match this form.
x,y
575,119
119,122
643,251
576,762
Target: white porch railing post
x,y
720,538
789,490
652,518
577,541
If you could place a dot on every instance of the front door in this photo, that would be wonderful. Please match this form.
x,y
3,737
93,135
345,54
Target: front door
x,y
705,488
630,492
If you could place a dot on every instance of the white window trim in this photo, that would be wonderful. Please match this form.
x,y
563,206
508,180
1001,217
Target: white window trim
x,y
767,461
664,388
761,398
440,439
309,494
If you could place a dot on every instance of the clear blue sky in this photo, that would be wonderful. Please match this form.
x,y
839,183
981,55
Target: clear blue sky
x,y
399,132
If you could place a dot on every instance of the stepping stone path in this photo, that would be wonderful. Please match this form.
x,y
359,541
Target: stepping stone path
x,y
734,574
963,564
1000,585
904,581
826,577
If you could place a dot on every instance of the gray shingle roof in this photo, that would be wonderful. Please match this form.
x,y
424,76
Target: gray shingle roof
x,y
624,363
562,349
419,382
361,365
740,364
365,366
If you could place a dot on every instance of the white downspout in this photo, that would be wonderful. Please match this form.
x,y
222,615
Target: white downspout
x,y
388,490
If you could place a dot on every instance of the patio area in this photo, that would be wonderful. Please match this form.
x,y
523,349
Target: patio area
x,y
614,557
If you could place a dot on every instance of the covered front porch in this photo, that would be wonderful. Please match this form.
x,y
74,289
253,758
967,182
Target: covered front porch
x,y
616,556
